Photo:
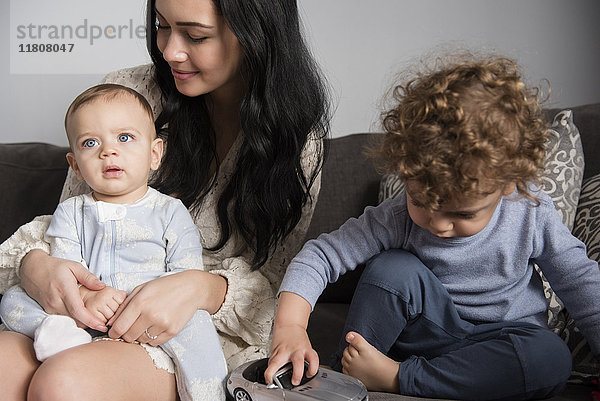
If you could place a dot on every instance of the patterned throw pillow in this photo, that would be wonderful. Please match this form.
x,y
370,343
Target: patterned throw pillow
x,y
562,179
389,187
564,166
587,221
587,229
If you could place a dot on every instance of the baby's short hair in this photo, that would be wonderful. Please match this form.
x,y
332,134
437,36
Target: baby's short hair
x,y
467,128
106,92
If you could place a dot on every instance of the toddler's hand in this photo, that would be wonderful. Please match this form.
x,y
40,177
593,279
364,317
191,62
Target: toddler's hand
x,y
291,343
102,303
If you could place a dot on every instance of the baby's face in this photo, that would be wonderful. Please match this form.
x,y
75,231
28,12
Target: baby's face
x,y
114,148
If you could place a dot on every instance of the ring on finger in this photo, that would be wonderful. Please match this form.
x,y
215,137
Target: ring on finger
x,y
149,336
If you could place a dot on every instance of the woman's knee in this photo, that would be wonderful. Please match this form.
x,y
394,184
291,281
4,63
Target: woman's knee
x,y
56,380
102,370
17,365
69,376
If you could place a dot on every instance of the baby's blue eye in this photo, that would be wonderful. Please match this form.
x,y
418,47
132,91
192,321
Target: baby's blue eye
x,y
89,143
124,138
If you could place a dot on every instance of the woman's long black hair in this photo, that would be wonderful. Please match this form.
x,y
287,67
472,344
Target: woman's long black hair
x,y
286,102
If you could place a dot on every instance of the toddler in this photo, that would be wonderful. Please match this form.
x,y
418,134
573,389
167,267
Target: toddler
x,y
449,304
126,233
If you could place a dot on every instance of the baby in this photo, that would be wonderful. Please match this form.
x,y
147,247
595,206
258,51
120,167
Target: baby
x,y
126,233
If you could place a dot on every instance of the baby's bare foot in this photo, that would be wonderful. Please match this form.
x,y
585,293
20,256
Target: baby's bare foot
x,y
364,362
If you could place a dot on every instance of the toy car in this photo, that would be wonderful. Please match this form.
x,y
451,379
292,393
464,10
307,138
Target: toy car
x,y
247,383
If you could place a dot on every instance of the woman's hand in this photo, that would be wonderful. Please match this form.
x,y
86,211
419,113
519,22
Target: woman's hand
x,y
158,310
54,284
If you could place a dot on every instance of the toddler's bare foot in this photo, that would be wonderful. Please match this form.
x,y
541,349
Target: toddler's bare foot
x,y
364,362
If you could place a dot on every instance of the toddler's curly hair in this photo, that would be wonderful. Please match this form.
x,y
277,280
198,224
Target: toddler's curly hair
x,y
465,129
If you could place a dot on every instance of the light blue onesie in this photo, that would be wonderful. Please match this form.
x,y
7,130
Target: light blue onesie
x,y
125,246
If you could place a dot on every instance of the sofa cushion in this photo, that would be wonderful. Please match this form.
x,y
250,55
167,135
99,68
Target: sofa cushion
x,y
347,188
32,178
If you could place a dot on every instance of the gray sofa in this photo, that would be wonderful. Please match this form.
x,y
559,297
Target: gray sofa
x,y
31,177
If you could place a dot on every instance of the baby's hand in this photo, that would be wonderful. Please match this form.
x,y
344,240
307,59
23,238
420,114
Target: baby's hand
x,y
102,303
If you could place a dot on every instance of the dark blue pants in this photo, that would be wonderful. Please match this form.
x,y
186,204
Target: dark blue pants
x,y
403,310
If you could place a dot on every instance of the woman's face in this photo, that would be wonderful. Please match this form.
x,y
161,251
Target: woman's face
x,y
203,53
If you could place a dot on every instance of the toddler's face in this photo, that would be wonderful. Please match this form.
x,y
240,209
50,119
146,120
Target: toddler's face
x,y
461,217
114,148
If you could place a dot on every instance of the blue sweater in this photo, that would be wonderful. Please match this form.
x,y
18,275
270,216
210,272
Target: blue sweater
x,y
490,275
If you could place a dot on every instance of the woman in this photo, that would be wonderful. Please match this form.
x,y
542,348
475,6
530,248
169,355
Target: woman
x,y
243,110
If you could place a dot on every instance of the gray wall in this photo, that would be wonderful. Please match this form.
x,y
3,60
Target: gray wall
x,y
361,45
